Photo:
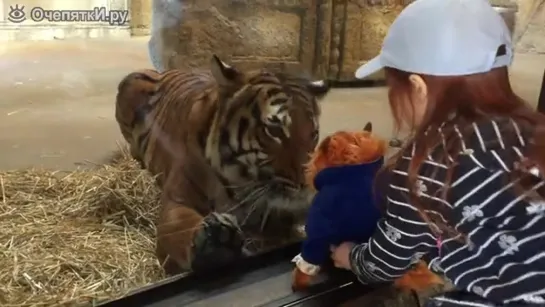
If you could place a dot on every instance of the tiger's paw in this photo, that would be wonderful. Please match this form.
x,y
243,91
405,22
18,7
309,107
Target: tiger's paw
x,y
219,241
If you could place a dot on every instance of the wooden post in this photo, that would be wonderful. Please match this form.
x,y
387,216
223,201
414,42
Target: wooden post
x,y
541,99
2,17
140,11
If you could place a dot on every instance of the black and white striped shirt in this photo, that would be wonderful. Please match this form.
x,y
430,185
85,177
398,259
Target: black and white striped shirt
x,y
501,260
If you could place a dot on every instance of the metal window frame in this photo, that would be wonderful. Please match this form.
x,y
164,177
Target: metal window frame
x,y
541,99
251,274
198,288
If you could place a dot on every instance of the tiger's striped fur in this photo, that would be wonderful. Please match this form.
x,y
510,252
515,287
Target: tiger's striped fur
x,y
228,147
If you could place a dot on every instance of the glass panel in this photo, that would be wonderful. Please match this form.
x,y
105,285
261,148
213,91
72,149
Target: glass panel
x,y
113,177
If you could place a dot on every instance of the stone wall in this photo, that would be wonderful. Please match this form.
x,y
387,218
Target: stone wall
x,y
529,34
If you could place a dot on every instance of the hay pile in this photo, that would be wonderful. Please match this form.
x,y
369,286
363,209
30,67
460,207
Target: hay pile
x,y
69,239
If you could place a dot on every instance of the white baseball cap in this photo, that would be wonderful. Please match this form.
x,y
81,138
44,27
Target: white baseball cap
x,y
444,38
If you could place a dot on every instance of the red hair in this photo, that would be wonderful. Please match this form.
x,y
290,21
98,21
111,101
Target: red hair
x,y
461,100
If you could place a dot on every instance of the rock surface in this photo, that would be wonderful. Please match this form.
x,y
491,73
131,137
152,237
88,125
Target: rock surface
x,y
325,39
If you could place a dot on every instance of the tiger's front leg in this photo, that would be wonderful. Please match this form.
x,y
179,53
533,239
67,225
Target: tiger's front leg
x,y
187,241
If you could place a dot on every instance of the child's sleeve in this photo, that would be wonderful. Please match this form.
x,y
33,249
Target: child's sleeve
x,y
320,225
401,238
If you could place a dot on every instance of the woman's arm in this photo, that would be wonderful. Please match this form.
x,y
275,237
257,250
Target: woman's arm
x,y
401,239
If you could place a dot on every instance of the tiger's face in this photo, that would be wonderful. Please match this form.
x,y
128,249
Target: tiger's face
x,y
266,127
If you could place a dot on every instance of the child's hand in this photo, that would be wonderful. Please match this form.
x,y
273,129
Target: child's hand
x,y
341,255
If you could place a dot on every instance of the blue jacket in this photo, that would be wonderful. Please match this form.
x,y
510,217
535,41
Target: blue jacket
x,y
344,209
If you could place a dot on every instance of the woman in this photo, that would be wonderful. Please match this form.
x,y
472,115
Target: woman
x,y
467,190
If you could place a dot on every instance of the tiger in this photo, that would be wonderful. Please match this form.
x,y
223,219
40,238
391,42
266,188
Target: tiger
x,y
228,148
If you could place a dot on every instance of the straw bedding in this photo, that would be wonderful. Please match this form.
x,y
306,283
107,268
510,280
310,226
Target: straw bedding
x,y
74,238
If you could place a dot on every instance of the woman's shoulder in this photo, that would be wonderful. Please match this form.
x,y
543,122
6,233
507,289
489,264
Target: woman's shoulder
x,y
496,134
495,143
492,143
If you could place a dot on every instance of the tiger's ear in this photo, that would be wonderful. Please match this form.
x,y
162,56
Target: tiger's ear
x,y
224,74
368,127
318,88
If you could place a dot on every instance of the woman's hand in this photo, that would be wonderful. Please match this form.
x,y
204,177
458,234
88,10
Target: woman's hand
x,y
341,255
